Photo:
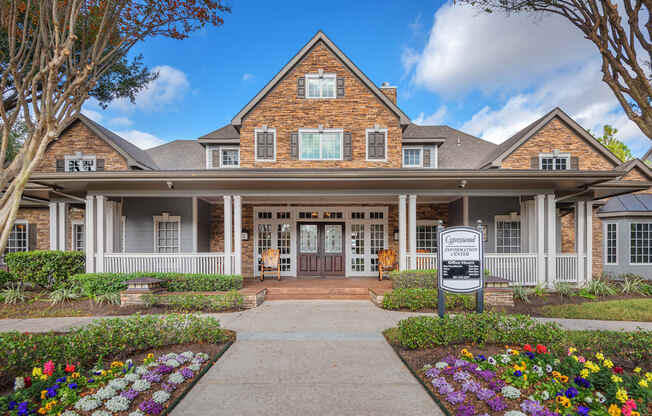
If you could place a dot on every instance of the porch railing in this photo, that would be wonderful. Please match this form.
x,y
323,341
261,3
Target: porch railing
x,y
166,262
566,270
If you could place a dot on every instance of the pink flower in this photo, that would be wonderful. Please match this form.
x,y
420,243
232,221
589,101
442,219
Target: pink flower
x,y
581,359
48,368
631,404
626,410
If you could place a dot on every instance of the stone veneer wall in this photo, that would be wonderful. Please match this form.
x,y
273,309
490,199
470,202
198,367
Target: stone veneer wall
x,y
39,218
74,214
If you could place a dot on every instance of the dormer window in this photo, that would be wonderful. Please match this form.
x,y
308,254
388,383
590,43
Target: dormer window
x,y
80,163
222,157
554,161
321,85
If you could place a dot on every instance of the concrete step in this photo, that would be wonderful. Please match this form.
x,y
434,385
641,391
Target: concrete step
x,y
287,293
316,297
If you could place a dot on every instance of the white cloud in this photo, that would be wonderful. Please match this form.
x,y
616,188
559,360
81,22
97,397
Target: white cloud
x,y
435,118
120,122
93,115
170,86
247,76
140,138
471,50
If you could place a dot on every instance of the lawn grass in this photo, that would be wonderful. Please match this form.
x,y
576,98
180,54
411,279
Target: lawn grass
x,y
611,310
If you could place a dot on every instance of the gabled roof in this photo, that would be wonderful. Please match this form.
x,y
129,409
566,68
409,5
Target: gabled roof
x,y
224,135
136,157
648,156
635,164
179,155
506,148
320,37
628,204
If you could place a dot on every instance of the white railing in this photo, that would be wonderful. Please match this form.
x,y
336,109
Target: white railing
x,y
165,262
566,267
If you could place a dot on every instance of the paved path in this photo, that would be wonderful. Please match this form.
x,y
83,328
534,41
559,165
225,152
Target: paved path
x,y
307,358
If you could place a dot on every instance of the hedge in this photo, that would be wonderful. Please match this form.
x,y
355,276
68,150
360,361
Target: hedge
x,y
413,279
6,278
95,284
191,302
115,338
47,269
416,299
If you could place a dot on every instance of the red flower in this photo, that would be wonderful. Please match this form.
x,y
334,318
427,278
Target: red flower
x,y
28,381
541,349
528,348
69,368
618,370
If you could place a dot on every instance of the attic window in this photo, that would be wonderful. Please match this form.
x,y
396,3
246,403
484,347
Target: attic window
x,y
320,85
80,163
554,161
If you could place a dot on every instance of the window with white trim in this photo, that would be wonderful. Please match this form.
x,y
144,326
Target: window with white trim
x,y
320,144
412,157
640,243
550,161
229,157
427,236
320,85
80,163
611,243
508,234
18,238
167,233
78,236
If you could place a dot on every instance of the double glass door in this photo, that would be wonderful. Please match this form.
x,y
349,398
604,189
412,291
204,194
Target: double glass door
x,y
321,249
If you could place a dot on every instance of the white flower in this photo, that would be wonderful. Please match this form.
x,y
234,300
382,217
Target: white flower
x,y
140,370
491,360
117,404
153,364
118,384
101,413
176,378
69,413
172,362
514,413
194,367
105,393
131,377
136,413
508,351
510,392
588,399
545,395
188,354
505,359
141,385
170,356
426,367
87,403
19,383
160,396
441,365
601,397
548,368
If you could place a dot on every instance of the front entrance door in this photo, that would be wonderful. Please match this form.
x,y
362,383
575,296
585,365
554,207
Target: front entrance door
x,y
321,249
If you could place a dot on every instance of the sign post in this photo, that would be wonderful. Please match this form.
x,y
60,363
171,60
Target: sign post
x,y
461,264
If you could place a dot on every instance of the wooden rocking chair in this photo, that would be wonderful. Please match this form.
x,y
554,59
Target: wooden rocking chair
x,y
386,262
271,263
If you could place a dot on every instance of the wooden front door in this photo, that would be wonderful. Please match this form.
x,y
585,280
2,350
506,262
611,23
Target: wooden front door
x,y
320,249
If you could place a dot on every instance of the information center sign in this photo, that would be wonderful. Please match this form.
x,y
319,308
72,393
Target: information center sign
x,y
461,255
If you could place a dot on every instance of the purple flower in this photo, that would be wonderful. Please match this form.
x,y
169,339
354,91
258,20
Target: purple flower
x,y
151,407
531,406
152,376
460,363
480,357
433,372
461,376
72,386
471,386
571,392
456,397
465,410
164,369
130,394
187,373
486,375
530,355
449,371
438,381
91,380
518,373
497,404
450,360
485,394
169,387
582,382
445,389
496,385
582,411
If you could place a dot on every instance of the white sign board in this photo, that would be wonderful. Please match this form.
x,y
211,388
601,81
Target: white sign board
x,y
461,255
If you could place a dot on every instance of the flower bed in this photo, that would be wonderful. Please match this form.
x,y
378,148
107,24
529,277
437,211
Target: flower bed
x,y
532,381
138,387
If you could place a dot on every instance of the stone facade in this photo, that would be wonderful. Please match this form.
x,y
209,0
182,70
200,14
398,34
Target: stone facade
x,y
568,233
358,110
39,218
78,138
557,135
597,243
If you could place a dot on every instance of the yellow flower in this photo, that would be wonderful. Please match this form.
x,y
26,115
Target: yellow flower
x,y
621,395
584,373
150,356
43,377
592,366
524,377
102,373
635,413
41,411
637,370
562,400
117,364
616,379
642,383
648,376
37,372
608,363
572,350
43,394
575,357
50,405
515,352
556,374
614,410
564,379
599,356
75,375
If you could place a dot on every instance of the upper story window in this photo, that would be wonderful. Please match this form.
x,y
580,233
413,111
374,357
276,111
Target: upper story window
x,y
320,144
640,243
377,144
265,144
549,161
419,156
222,157
321,85
80,163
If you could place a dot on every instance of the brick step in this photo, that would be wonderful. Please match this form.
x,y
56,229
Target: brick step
x,y
315,297
318,291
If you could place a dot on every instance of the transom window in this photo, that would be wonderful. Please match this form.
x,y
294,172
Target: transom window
x,y
427,237
554,162
80,163
320,145
167,231
412,157
611,242
508,235
640,238
78,234
320,85
18,238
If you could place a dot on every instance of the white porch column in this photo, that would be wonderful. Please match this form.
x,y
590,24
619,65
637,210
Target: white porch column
x,y
524,227
228,233
54,227
195,231
99,267
589,241
539,202
402,228
551,224
109,214
62,223
237,233
412,218
465,210
89,214
580,238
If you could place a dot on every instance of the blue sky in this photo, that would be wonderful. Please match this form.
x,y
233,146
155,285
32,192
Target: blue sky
x,y
489,75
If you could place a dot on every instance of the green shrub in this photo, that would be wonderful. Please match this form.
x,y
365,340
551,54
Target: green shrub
x,y
564,290
64,294
521,293
419,298
633,284
103,339
600,287
96,284
6,278
47,269
231,300
13,294
409,279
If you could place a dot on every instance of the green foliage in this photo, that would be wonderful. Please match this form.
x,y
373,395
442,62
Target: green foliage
x,y
429,332
63,295
116,338
231,300
414,279
416,299
13,294
631,284
617,310
618,148
565,290
600,287
47,269
108,298
521,293
539,290
97,284
6,278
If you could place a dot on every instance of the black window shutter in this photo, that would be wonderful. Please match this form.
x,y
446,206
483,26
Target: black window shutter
x,y
575,163
340,86
534,162
294,145
99,165
371,145
301,87
31,237
269,146
260,146
348,146
426,157
380,145
61,165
